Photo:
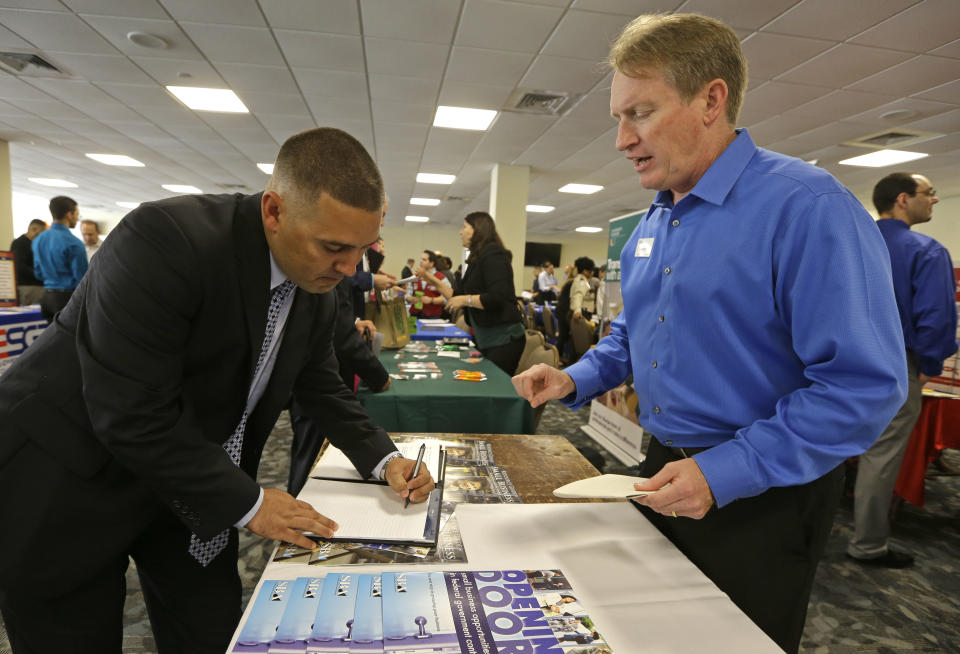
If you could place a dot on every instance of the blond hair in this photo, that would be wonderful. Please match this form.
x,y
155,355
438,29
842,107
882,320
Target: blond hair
x,y
689,49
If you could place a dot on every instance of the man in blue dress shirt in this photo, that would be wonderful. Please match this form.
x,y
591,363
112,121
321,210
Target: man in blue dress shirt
x,y
924,285
759,324
59,258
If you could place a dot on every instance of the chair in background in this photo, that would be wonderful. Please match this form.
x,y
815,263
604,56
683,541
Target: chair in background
x,y
549,324
531,315
537,351
522,307
581,333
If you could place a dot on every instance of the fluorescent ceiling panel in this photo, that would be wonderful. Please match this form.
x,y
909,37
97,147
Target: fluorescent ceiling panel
x,y
882,158
464,118
115,160
583,189
201,99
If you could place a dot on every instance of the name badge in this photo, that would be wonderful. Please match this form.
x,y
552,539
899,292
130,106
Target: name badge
x,y
644,247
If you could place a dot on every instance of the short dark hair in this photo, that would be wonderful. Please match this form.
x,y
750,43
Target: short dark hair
x,y
888,189
545,264
583,263
61,205
432,256
36,222
326,159
484,233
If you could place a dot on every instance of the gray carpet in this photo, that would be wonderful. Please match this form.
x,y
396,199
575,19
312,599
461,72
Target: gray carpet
x,y
852,608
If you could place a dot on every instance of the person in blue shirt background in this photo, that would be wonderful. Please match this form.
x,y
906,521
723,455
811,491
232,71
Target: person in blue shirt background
x,y
925,288
759,324
59,257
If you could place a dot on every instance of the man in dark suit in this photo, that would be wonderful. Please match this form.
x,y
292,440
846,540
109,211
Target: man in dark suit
x,y
134,425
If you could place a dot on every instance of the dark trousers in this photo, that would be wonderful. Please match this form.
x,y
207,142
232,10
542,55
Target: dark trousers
x,y
52,302
762,551
192,609
506,356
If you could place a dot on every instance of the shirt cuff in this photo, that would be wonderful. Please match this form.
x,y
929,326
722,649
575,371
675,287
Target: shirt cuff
x,y
381,469
242,522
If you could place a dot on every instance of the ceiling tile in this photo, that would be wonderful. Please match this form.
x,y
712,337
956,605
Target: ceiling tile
x,y
332,83
136,95
401,112
182,72
506,26
773,98
592,109
917,74
276,103
130,8
926,25
325,109
949,92
231,12
393,137
410,58
411,90
840,104
433,21
586,35
843,65
319,50
563,74
49,30
474,95
10,40
845,18
102,68
748,14
951,49
72,91
46,108
250,78
918,107
781,127
628,7
946,122
482,66
115,30
769,55
835,133
332,16
234,43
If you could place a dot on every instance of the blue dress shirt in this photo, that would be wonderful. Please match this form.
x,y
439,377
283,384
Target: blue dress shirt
x,y
59,258
759,320
925,288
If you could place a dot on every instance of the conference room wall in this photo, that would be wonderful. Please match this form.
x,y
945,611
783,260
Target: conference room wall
x,y
945,226
572,246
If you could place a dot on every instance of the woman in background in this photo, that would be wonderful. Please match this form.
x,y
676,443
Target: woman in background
x,y
488,295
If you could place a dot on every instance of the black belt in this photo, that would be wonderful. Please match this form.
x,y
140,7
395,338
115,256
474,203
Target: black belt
x,y
58,290
682,452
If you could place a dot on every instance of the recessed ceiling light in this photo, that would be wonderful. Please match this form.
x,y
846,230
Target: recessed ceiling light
x,y
115,160
539,208
425,202
128,205
882,158
589,230
583,189
464,118
147,40
200,99
265,167
181,188
417,219
432,178
48,181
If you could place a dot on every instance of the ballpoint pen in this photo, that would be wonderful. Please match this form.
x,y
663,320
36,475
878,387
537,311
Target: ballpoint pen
x,y
416,470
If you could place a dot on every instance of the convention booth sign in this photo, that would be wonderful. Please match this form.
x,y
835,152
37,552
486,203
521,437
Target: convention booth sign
x,y
613,415
8,280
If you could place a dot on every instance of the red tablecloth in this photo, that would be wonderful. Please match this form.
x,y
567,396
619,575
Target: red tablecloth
x,y
938,428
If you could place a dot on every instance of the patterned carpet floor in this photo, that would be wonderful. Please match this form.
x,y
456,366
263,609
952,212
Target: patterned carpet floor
x,y
853,608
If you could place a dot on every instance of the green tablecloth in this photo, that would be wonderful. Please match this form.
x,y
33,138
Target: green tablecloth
x,y
448,405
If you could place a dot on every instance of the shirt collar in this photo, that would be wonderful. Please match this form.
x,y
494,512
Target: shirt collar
x,y
722,174
276,275
893,223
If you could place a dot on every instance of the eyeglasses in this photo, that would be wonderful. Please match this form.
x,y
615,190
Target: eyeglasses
x,y
930,193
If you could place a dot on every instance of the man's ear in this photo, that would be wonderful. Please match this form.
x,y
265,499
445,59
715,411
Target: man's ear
x,y
715,106
272,210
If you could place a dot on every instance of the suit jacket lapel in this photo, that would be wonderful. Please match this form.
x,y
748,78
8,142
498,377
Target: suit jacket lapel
x,y
253,269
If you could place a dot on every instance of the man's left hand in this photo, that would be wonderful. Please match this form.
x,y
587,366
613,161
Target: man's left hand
x,y
688,494
366,325
398,475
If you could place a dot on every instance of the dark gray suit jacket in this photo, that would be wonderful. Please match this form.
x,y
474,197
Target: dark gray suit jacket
x,y
120,408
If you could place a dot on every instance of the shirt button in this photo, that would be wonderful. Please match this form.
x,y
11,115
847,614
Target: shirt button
x,y
675,223
656,409
666,270
660,318
654,364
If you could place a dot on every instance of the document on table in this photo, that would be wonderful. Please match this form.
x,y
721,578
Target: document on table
x,y
373,512
603,487
334,464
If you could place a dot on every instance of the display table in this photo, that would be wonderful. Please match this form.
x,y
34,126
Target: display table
x,y
19,327
435,333
643,594
938,428
446,404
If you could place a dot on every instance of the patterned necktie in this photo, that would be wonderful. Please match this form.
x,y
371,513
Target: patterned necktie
x,y
205,551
